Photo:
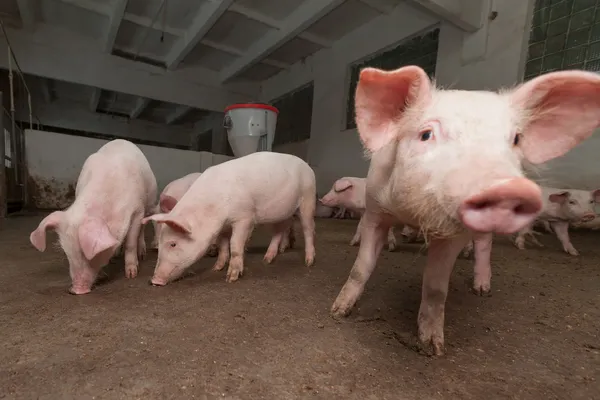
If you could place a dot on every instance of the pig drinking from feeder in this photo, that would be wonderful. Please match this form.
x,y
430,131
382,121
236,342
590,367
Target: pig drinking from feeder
x,y
450,163
115,190
226,202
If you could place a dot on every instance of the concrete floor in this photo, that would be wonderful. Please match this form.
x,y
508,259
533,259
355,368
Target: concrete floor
x,y
269,335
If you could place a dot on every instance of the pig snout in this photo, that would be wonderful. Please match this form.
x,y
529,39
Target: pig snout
x,y
504,208
157,282
587,217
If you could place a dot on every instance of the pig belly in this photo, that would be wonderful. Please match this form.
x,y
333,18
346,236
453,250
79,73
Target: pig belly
x,y
276,211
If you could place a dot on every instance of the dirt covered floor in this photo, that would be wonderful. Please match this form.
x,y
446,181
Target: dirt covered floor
x,y
269,335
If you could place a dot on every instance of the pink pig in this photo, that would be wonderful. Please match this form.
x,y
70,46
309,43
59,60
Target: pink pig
x,y
170,195
226,202
349,193
450,163
115,190
175,190
562,207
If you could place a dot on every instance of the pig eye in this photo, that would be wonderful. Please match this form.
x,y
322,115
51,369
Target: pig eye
x,y
172,244
426,135
516,139
572,202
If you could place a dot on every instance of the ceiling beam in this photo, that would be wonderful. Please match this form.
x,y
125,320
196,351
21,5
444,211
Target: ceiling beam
x,y
141,104
95,99
57,53
177,114
266,20
382,6
27,11
108,41
181,33
467,17
304,16
47,90
114,22
207,17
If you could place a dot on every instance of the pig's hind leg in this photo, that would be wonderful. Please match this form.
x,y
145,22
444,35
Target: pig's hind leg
x,y
307,219
223,254
280,233
131,248
141,246
289,238
241,231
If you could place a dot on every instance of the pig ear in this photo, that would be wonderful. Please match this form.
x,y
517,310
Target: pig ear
x,y
596,195
560,197
167,203
38,237
342,184
382,97
174,223
562,108
94,238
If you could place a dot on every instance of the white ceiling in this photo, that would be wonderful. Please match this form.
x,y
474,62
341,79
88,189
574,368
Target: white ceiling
x,y
236,41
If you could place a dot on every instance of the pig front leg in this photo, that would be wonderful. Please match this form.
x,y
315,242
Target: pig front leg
x,y
372,242
482,271
131,248
468,249
436,277
240,233
223,254
279,231
391,239
289,239
356,238
141,247
561,228
154,243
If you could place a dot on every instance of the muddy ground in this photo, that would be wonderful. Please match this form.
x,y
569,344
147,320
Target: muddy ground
x,y
269,335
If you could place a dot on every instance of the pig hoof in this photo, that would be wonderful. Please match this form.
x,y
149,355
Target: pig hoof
x,y
431,344
269,257
391,246
233,275
354,242
340,310
131,271
572,252
309,261
482,289
77,291
218,266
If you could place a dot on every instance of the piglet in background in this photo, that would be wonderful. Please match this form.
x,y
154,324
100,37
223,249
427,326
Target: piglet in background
x,y
349,193
561,207
449,163
170,195
226,202
116,189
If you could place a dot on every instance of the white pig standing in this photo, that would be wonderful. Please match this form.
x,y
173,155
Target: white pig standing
x,y
175,190
115,190
450,163
226,202
562,207
349,192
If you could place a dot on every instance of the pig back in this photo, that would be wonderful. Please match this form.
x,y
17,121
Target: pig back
x,y
118,172
179,187
270,184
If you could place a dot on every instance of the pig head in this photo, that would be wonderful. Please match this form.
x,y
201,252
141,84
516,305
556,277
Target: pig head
x,y
87,243
347,192
450,163
182,241
575,205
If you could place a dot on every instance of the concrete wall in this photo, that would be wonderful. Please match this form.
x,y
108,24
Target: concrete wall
x,y
77,116
54,161
489,59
